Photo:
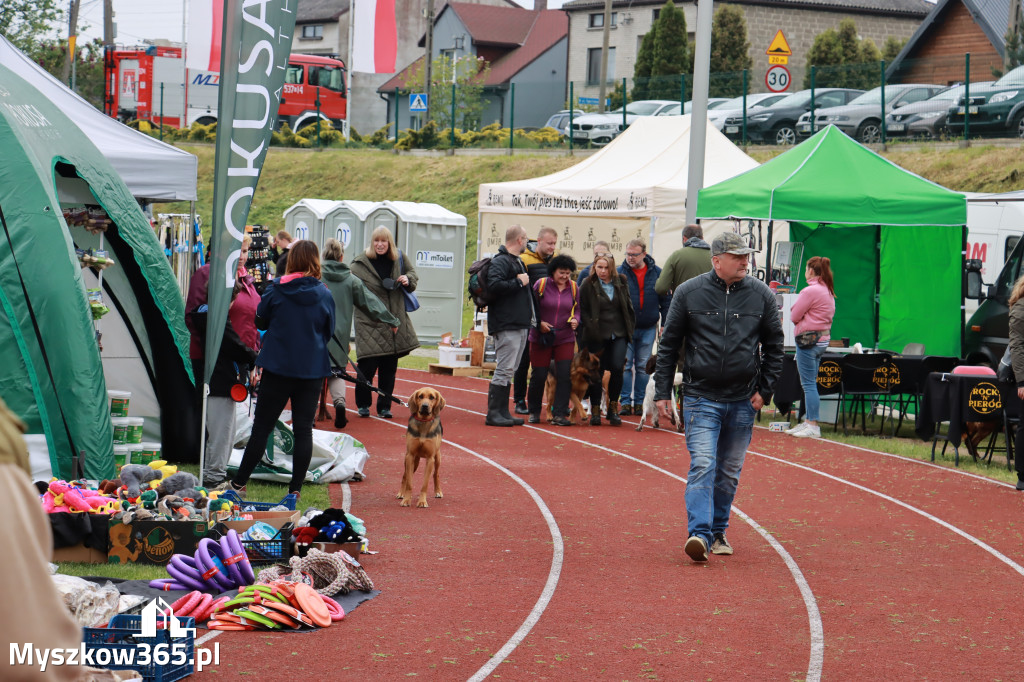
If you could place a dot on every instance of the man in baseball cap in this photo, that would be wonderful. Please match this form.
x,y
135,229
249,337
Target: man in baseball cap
x,y
733,339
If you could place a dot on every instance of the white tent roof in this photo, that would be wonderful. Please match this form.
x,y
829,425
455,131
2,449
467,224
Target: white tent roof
x,y
152,170
643,172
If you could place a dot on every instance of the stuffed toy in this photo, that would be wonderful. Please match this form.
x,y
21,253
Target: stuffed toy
x,y
304,535
109,487
136,477
62,496
217,504
177,482
326,518
195,494
339,532
148,500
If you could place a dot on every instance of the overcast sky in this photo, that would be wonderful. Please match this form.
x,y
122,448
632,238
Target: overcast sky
x,y
139,20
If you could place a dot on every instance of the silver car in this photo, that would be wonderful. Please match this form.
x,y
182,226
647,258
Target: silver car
x,y
928,118
861,118
713,103
600,129
734,107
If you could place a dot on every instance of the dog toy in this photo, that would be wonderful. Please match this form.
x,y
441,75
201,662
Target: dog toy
x,y
304,535
181,480
137,476
110,486
339,532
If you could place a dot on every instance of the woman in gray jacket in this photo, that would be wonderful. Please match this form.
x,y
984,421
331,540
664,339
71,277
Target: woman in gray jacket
x,y
349,294
385,271
1017,357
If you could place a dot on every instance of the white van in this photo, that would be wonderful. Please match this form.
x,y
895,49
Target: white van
x,y
995,223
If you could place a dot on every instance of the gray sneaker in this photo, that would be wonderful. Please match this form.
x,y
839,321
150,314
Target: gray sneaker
x,y
721,545
696,548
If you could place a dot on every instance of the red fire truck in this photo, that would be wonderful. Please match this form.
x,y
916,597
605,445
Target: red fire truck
x,y
147,84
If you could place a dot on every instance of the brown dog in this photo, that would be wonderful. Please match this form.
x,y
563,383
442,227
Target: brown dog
x,y
585,370
423,441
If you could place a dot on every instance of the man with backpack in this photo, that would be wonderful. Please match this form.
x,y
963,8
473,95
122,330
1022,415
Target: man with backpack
x,y
510,316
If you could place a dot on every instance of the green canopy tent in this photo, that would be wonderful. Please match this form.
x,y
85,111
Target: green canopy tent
x,y
896,240
52,374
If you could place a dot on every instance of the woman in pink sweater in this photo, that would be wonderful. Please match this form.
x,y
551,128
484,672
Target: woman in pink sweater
x,y
813,312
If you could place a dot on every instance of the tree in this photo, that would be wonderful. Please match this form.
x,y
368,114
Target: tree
x,y
1014,55
51,54
891,48
842,59
730,52
23,22
468,74
667,52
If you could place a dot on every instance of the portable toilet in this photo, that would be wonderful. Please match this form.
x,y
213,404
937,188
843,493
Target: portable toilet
x,y
433,239
346,222
380,216
305,219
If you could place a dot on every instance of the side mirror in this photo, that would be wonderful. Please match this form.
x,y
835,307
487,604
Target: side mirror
x,y
974,286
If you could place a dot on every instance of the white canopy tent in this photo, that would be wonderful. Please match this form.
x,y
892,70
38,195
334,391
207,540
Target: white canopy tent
x,y
633,188
153,171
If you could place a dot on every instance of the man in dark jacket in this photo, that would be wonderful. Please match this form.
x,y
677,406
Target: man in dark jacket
x,y
509,318
685,263
535,257
730,326
641,272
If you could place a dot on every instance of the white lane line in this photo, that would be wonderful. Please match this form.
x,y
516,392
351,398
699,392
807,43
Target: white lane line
x,y
346,497
208,636
816,629
553,573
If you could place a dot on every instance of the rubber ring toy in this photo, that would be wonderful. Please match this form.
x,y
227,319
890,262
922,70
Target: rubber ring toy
x,y
186,574
258,618
217,604
275,616
167,585
291,612
210,565
234,570
236,548
203,610
313,606
337,613
267,591
186,605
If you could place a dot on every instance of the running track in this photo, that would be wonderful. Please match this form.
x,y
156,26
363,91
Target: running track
x,y
556,553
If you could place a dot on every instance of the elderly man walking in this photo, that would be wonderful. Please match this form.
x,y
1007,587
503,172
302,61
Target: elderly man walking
x,y
733,336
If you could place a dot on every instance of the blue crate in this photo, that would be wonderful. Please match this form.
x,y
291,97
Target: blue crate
x,y
288,501
123,634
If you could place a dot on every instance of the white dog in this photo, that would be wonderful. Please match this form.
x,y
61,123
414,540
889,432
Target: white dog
x,y
651,409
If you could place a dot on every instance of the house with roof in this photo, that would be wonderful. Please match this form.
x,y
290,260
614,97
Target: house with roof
x,y
799,20
935,53
526,50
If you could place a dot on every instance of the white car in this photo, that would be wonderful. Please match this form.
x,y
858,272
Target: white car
x,y
713,103
734,106
600,129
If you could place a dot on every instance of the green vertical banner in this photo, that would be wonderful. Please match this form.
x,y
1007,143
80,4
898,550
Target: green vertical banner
x,y
255,45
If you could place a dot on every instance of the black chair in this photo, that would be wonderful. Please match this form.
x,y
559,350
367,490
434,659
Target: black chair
x,y
908,383
865,382
930,363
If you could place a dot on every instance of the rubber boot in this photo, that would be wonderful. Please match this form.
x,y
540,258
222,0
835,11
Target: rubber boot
x,y
613,415
497,406
340,417
595,404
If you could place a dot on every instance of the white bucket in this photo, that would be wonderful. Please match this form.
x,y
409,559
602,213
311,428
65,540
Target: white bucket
x,y
119,402
148,452
135,425
120,429
121,455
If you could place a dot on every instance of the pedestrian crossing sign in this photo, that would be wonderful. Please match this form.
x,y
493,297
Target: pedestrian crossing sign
x,y
418,101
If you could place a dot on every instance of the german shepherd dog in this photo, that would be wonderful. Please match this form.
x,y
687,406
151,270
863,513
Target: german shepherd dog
x,y
584,371
423,441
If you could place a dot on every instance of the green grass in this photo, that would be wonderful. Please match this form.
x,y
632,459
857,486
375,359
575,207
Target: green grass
x,y
313,495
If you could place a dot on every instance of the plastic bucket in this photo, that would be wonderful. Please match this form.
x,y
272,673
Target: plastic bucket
x,y
120,429
119,402
148,452
121,455
135,425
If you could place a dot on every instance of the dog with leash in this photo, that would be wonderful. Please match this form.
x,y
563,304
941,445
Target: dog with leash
x,y
423,441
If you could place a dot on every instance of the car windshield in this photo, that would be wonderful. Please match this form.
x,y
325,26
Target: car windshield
x,y
1015,77
640,108
874,97
797,99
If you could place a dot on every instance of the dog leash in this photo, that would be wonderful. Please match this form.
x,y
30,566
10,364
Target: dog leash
x,y
359,378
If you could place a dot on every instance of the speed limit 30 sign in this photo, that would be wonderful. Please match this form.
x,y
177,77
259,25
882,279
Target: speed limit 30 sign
x,y
777,78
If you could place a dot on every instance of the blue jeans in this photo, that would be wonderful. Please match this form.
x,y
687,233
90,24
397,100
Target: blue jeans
x,y
717,436
807,362
638,352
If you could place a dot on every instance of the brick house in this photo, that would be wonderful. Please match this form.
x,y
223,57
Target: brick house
x,y
935,53
799,20
525,48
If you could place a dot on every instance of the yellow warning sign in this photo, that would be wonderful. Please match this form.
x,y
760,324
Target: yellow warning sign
x,y
778,59
779,46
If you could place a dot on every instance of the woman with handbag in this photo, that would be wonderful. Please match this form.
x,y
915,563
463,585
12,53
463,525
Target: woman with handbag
x,y
812,314
607,324
554,338
389,275
1016,349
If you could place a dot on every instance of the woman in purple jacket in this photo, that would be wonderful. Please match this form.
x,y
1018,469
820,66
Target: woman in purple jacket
x,y
554,338
813,312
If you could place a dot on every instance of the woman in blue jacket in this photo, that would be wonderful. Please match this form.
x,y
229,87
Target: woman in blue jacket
x,y
297,312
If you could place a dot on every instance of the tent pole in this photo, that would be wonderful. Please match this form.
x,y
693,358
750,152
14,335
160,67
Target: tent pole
x,y
202,433
768,254
963,290
650,238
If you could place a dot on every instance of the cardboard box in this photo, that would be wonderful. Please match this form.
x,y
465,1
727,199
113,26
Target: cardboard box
x,y
153,542
81,554
452,356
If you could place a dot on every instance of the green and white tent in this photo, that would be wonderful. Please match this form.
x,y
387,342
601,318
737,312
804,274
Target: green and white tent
x,y
52,374
895,239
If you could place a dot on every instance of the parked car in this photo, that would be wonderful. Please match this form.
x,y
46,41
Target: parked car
x,y
777,123
734,107
600,129
928,118
861,119
560,121
713,103
997,110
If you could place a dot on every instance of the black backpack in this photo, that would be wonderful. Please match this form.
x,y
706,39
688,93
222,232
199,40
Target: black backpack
x,y
478,282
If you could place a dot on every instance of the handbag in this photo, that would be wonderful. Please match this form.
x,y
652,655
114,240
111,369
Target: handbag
x,y
1005,371
411,302
807,340
546,339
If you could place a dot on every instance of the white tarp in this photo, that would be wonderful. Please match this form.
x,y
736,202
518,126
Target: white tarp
x,y
633,188
153,171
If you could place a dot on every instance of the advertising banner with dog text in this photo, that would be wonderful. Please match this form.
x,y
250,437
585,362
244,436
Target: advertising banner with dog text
x,y
255,44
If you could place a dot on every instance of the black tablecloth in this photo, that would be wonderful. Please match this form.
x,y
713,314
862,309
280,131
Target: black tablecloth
x,y
962,398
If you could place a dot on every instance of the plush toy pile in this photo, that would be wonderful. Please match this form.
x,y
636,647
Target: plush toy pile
x,y
329,525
